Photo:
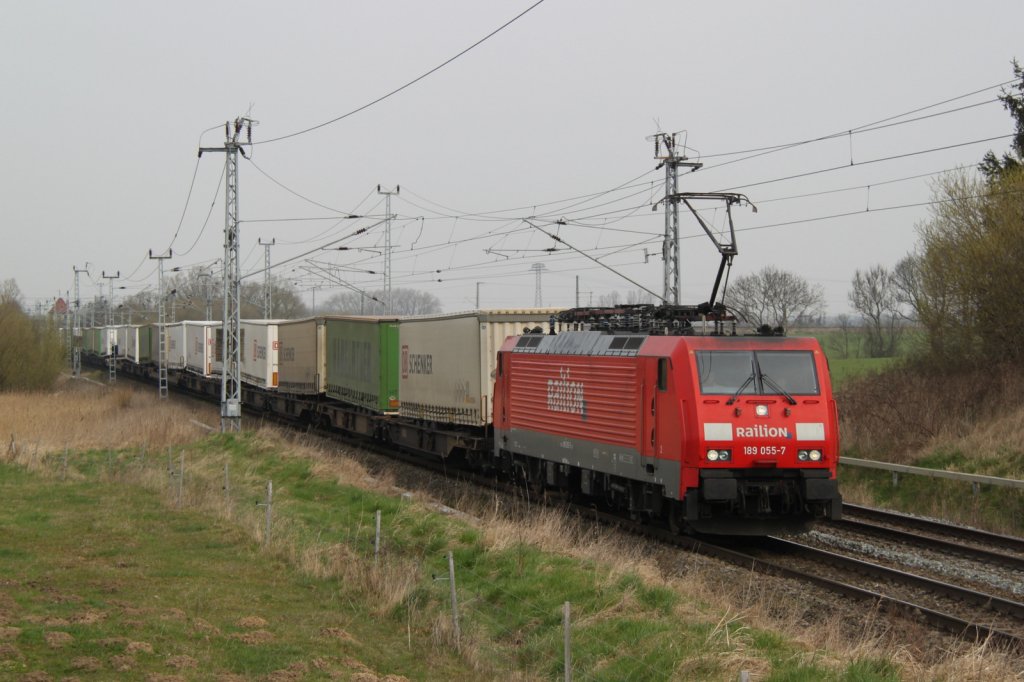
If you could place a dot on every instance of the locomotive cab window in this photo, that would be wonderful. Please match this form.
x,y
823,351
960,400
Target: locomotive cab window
x,y
737,373
790,372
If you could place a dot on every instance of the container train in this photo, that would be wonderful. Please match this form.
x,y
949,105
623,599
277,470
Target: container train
x,y
664,414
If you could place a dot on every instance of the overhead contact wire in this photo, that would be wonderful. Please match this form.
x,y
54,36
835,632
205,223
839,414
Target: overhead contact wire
x,y
410,83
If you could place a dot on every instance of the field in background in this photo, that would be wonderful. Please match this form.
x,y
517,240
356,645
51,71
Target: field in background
x,y
116,565
847,357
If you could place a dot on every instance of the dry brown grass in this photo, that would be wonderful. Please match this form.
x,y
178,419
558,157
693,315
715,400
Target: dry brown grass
x,y
830,633
989,439
82,415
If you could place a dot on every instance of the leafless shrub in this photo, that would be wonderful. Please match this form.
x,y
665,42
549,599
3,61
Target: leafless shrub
x,y
899,411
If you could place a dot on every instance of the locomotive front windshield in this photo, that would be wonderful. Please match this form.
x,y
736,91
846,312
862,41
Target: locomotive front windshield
x,y
761,372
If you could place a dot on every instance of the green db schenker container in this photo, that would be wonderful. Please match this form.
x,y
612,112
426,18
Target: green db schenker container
x,y
362,361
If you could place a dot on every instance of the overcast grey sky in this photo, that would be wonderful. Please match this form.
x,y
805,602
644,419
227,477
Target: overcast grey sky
x,y
105,104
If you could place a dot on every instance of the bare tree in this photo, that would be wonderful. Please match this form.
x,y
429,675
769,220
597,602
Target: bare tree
x,y
775,298
286,303
191,290
10,293
632,297
403,301
875,295
840,344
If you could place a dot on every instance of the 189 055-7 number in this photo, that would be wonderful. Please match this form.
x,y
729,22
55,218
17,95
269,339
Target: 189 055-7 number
x,y
764,450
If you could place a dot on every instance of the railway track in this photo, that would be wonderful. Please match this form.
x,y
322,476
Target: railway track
x,y
928,532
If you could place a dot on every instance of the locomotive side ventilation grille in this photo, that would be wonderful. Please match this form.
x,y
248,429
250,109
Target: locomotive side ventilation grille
x,y
626,343
580,343
529,341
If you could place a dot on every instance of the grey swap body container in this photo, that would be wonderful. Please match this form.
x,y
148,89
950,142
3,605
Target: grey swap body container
x,y
448,362
301,356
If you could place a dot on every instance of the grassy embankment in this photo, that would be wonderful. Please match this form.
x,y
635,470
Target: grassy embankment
x,y
970,421
104,575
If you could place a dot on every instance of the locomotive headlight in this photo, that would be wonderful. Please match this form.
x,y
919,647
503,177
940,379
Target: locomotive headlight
x,y
712,455
802,455
815,455
724,455
761,410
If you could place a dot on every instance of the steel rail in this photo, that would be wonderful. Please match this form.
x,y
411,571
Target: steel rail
x,y
1011,562
963,532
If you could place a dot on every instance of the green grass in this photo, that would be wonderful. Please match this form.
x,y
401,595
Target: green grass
x,y
846,361
996,508
178,581
844,370
141,588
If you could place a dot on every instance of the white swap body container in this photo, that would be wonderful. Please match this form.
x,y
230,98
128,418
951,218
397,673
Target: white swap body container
x,y
131,343
136,347
301,356
259,351
448,362
121,339
109,337
175,356
175,333
199,346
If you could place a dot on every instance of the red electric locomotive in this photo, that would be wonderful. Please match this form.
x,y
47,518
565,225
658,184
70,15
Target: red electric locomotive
x,y
716,434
